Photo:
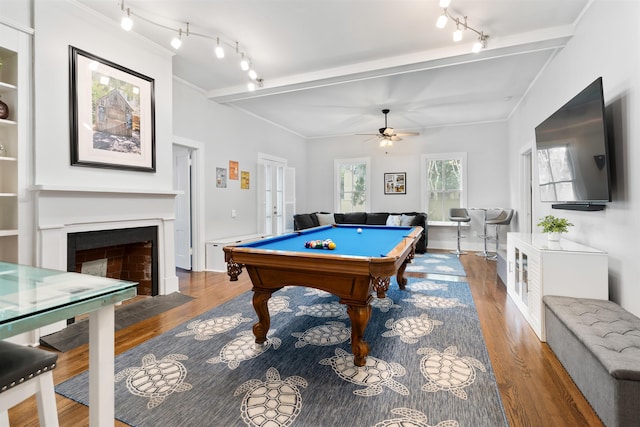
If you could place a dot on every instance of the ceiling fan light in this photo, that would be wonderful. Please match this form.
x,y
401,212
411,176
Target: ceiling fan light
x,y
442,21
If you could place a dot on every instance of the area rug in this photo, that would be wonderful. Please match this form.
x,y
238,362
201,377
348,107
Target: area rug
x,y
77,334
428,365
435,263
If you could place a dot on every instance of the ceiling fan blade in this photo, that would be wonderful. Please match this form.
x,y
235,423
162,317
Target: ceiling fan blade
x,y
395,138
375,134
408,133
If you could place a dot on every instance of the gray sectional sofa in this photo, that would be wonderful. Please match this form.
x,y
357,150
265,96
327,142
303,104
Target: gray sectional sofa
x,y
315,219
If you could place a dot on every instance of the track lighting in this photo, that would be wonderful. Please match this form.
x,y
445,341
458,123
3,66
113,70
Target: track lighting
x,y
126,23
442,20
244,64
457,35
480,44
219,50
252,86
176,42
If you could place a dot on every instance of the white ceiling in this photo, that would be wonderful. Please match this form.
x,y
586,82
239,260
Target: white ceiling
x,y
330,66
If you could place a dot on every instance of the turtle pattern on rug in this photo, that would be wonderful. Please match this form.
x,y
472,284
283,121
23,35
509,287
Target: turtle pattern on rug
x,y
427,364
437,263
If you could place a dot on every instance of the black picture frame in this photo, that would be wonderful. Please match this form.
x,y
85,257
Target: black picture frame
x,y
112,114
395,183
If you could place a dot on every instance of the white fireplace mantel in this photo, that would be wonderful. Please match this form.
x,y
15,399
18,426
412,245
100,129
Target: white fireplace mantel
x,y
60,210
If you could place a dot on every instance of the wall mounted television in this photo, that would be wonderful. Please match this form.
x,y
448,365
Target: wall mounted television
x,y
573,153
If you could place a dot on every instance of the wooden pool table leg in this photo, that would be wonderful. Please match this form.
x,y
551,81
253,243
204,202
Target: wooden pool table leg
x,y
402,281
359,316
381,286
260,300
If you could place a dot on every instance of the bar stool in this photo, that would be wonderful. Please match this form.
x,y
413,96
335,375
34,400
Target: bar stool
x,y
459,215
503,218
25,371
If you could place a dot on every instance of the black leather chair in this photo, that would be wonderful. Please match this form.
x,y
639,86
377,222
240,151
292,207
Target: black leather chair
x,y
25,371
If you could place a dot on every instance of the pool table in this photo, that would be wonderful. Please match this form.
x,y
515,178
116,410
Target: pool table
x,y
363,261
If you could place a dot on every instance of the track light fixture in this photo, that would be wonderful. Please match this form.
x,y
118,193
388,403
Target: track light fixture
x,y
219,50
126,23
245,63
176,42
461,23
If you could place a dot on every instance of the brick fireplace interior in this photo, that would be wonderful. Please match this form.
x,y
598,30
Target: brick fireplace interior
x,y
125,254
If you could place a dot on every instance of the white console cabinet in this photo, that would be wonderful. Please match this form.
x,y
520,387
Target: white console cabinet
x,y
215,254
538,267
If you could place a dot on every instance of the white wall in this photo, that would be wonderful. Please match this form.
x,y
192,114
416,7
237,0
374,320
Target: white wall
x,y
486,148
16,12
58,24
228,134
606,43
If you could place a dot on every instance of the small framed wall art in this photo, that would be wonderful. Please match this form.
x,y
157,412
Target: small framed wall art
x,y
395,183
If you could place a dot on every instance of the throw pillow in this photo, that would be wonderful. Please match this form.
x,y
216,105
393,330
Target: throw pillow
x,y
377,218
303,221
355,218
393,220
407,220
325,219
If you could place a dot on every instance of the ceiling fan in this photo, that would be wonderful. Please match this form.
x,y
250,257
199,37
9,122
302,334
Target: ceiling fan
x,y
387,135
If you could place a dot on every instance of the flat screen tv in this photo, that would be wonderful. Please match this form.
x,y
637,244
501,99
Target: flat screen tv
x,y
572,153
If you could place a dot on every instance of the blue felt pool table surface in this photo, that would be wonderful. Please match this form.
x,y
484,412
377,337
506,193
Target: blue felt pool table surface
x,y
373,241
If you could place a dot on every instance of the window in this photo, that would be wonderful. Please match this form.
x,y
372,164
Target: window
x,y
352,185
444,185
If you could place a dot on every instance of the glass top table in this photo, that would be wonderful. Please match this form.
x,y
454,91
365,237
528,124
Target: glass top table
x,y
33,297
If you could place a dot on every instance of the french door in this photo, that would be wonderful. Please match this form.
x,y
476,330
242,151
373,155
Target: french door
x,y
276,192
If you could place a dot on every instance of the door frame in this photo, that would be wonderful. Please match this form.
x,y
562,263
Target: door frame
x,y
526,189
197,200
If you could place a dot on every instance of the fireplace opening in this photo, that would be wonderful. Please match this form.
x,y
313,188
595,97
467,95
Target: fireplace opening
x,y
124,254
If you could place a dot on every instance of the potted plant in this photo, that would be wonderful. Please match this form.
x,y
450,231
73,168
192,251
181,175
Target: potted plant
x,y
554,226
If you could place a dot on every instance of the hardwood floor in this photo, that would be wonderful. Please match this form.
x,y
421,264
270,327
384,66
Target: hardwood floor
x,y
535,389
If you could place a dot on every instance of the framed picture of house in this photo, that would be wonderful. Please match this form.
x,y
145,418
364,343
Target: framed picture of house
x,y
395,183
112,113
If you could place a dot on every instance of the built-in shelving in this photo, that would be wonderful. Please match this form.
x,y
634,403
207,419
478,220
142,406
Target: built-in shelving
x,y
12,137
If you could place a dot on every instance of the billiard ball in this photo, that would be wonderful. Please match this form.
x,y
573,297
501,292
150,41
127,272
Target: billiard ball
x,y
359,230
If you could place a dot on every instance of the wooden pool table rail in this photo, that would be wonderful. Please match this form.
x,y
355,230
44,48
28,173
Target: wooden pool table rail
x,y
351,278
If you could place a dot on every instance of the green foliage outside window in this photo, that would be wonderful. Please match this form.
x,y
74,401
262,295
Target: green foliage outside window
x,y
445,187
353,187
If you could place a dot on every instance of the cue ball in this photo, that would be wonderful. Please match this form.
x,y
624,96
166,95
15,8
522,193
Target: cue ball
x,y
359,230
